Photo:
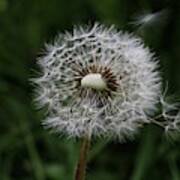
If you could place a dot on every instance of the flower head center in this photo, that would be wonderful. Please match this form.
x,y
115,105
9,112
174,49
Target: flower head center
x,y
94,81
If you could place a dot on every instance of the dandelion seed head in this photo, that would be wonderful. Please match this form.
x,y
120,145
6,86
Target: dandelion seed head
x,y
98,80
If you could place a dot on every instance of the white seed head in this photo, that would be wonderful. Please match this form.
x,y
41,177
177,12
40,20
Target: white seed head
x,y
98,81
94,81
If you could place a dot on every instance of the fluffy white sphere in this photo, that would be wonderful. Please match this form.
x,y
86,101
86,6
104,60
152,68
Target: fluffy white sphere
x,y
98,81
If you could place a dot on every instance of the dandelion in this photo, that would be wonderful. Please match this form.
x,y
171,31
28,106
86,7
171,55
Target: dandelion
x,y
98,82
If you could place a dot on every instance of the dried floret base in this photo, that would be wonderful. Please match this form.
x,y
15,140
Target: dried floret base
x,y
80,172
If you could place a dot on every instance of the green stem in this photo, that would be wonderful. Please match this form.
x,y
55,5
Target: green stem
x,y
80,172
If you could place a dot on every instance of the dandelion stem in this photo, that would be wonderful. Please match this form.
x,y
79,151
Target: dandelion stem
x,y
80,172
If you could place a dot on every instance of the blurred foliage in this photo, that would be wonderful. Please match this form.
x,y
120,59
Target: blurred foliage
x,y
27,151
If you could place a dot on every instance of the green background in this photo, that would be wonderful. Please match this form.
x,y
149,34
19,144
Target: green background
x,y
27,151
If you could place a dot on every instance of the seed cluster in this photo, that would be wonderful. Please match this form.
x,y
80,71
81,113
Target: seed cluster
x,y
131,89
